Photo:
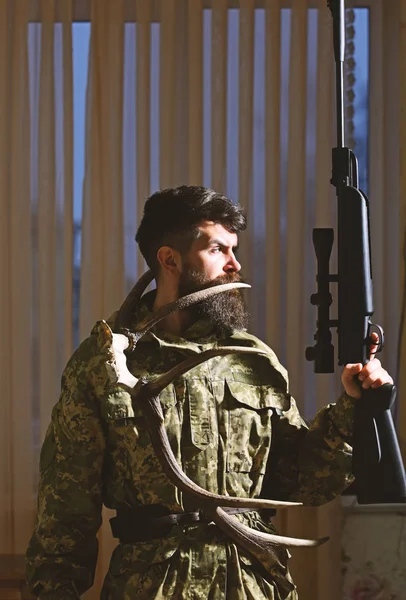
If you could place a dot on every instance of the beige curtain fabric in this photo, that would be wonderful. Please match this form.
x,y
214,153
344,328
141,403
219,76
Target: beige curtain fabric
x,y
16,475
157,115
143,109
36,240
102,264
272,212
195,92
325,199
402,220
219,94
387,200
295,196
246,128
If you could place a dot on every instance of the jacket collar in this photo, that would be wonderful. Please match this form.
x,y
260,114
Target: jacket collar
x,y
201,331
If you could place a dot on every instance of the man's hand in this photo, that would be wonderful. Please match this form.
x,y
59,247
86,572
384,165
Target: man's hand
x,y
372,375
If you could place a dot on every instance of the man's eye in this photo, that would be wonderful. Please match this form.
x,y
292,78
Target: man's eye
x,y
216,249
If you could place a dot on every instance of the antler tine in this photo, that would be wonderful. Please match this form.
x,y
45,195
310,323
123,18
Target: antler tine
x,y
266,548
259,542
155,387
152,411
183,302
127,308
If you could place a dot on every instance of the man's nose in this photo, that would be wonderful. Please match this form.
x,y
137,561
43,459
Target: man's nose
x,y
232,265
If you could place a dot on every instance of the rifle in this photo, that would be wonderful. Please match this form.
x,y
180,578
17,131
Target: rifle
x,y
377,461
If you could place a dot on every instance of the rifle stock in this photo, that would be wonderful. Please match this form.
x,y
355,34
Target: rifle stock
x,y
355,304
377,461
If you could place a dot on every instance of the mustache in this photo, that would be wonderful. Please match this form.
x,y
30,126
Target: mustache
x,y
200,281
226,278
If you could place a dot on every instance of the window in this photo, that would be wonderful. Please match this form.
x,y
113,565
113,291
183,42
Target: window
x,y
357,115
80,42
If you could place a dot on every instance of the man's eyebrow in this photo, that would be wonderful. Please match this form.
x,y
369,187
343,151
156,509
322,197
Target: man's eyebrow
x,y
218,242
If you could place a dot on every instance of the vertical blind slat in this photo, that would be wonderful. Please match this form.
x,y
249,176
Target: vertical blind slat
x,y
219,95
376,172
296,192
112,156
325,195
66,9
195,84
167,94
246,131
5,300
402,219
46,219
102,288
21,290
391,193
325,121
181,105
91,278
272,172
143,117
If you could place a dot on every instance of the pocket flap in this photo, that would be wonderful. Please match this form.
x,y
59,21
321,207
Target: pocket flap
x,y
258,396
119,404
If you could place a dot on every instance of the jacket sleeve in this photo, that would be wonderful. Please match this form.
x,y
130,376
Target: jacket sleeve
x,y
311,464
62,552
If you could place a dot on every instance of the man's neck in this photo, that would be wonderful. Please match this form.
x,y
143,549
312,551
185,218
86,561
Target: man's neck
x,y
178,321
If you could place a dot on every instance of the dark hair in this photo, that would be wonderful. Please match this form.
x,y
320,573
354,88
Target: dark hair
x,y
171,218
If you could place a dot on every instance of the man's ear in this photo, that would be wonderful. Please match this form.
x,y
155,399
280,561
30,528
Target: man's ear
x,y
169,260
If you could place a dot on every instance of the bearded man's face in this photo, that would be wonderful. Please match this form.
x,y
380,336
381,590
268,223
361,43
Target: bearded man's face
x,y
211,261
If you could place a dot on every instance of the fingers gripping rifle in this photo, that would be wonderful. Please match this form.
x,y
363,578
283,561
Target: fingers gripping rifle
x,y
377,462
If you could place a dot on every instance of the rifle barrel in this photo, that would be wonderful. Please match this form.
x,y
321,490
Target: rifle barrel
x,y
337,8
340,104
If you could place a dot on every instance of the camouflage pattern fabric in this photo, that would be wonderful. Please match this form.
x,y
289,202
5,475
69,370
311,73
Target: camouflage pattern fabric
x,y
235,430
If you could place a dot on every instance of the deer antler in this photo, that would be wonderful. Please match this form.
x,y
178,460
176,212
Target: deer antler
x,y
129,304
262,546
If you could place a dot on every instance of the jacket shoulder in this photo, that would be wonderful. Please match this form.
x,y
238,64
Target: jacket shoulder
x,y
264,368
93,360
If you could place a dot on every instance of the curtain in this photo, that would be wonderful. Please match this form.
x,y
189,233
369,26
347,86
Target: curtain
x,y
17,486
194,82
401,132
180,91
36,244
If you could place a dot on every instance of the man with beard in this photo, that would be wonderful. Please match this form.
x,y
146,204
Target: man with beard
x,y
231,423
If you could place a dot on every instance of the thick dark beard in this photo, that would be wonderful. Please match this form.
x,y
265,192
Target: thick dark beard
x,y
226,310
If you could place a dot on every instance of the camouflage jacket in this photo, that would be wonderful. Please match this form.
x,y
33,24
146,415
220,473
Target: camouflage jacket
x,y
234,429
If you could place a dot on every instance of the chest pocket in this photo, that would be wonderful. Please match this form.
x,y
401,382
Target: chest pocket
x,y
119,419
199,407
250,408
130,452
